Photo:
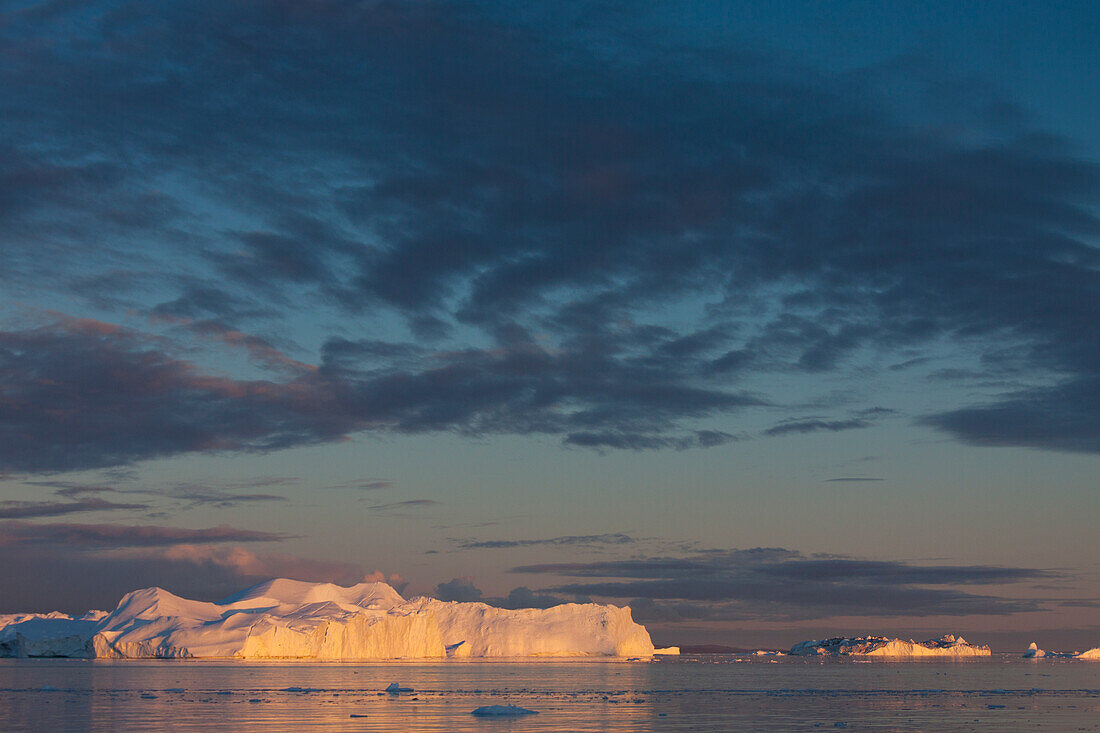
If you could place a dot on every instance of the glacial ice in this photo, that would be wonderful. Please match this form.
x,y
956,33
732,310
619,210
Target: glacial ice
x,y
46,634
881,646
569,630
288,619
1034,652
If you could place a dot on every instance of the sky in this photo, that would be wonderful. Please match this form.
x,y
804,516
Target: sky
x,y
774,321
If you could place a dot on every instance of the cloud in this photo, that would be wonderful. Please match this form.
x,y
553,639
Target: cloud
x,y
591,178
98,563
813,426
29,509
89,394
81,536
595,539
195,495
99,576
734,584
1064,418
367,484
458,589
524,597
395,506
394,579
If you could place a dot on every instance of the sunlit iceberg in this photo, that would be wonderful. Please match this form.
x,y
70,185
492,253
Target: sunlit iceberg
x,y
288,619
1034,652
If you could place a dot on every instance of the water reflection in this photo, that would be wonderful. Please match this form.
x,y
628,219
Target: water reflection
x,y
590,696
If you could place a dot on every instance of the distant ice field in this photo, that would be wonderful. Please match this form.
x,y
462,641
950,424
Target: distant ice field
x,y
703,693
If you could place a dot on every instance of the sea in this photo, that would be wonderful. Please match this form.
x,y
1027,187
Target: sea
x,y
688,693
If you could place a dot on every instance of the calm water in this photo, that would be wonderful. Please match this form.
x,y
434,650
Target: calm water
x,y
686,694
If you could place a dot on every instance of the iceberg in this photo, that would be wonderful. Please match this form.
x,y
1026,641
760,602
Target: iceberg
x,y
289,619
569,630
502,711
46,634
1034,652
881,646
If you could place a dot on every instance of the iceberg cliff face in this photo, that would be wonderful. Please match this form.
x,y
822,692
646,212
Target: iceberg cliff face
x,y
881,646
570,630
286,619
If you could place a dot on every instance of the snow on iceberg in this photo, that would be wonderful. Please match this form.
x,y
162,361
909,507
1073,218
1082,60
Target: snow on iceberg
x,y
288,619
881,646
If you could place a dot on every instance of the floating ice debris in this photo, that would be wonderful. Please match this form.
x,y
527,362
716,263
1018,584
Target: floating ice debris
x,y
395,689
502,711
668,651
289,619
881,646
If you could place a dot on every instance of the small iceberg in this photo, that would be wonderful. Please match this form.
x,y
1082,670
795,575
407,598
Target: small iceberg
x,y
396,689
1034,652
502,711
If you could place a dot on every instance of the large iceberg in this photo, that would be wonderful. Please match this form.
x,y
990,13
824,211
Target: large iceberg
x,y
881,646
46,634
288,619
